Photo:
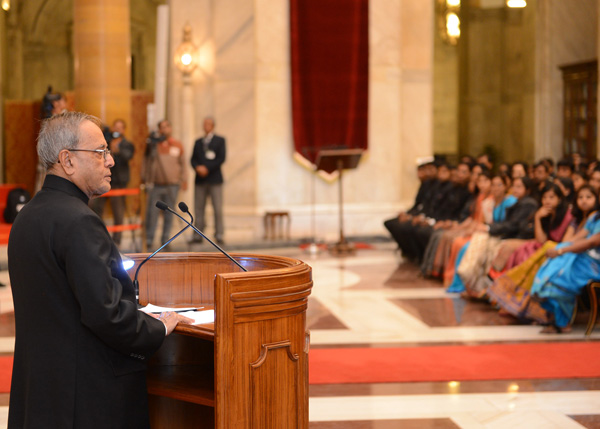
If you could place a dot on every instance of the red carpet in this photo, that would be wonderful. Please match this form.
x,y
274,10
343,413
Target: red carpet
x,y
455,363
6,365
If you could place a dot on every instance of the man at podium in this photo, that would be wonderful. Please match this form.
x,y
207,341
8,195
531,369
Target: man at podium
x,y
81,344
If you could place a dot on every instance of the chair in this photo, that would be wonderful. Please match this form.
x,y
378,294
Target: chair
x,y
592,286
133,221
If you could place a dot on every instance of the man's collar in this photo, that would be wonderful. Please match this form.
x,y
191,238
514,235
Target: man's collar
x,y
58,183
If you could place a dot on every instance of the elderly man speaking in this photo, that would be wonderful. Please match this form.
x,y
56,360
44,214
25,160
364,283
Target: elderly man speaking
x,y
81,343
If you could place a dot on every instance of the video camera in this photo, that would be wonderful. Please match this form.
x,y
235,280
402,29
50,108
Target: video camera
x,y
155,137
152,142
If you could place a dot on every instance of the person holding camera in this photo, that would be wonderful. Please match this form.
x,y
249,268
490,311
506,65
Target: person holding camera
x,y
164,173
122,151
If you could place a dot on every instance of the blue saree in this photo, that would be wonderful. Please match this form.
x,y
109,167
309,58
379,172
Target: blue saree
x,y
560,279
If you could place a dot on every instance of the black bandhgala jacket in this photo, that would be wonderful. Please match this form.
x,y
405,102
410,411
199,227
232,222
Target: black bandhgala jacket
x,y
81,343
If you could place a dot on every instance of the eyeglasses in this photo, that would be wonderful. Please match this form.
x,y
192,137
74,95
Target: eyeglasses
x,y
104,152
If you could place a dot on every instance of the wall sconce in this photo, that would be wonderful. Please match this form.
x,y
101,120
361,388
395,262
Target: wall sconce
x,y
449,20
6,5
186,55
516,3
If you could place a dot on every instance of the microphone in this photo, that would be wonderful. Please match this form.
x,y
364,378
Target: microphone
x,y
184,208
136,284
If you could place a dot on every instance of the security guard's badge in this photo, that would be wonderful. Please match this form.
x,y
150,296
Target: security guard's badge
x,y
209,154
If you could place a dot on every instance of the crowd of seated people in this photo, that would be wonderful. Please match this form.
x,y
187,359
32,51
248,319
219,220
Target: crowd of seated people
x,y
525,238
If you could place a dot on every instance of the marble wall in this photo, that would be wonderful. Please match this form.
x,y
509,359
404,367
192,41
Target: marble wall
x,y
497,67
565,35
38,48
248,92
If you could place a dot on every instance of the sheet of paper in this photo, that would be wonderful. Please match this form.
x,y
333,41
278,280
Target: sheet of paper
x,y
151,308
200,317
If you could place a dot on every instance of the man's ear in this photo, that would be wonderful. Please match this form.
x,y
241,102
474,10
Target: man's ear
x,y
66,162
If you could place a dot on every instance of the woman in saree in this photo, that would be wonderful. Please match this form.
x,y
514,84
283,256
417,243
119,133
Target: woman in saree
x,y
499,203
484,244
511,291
438,248
568,269
551,221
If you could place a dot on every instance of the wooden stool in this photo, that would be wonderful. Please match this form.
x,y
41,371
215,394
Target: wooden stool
x,y
274,225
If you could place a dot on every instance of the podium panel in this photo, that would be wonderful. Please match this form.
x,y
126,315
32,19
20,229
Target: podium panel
x,y
249,369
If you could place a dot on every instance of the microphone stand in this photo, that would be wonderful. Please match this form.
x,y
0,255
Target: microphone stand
x,y
136,284
161,205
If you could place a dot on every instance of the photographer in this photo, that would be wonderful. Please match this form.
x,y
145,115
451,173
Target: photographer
x,y
122,151
164,173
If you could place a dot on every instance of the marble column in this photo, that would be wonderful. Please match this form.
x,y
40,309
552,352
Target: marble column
x,y
189,98
101,44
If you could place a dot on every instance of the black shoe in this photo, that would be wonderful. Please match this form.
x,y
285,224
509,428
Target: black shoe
x,y
220,242
196,240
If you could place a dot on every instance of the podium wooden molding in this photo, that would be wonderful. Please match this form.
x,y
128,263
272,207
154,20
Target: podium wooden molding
x,y
247,370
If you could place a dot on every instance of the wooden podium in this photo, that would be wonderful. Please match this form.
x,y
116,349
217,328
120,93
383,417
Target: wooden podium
x,y
340,160
247,370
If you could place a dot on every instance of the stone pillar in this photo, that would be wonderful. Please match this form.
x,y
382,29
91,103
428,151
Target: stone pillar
x,y
101,44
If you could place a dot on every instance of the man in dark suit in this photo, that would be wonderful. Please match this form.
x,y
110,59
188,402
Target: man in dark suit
x,y
207,158
81,343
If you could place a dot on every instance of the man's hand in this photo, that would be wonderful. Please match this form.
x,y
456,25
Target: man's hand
x,y
114,144
172,319
202,170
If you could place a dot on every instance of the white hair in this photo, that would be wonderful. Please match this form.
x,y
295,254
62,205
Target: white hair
x,y
60,132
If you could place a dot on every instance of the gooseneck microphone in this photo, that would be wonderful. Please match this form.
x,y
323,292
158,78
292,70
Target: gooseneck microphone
x,y
184,208
136,284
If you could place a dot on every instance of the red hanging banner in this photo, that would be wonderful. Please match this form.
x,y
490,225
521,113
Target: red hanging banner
x,y
330,74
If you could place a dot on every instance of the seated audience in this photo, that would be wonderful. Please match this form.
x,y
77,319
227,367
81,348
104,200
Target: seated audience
x,y
594,179
486,160
504,169
549,163
541,178
564,168
577,161
439,246
500,201
519,169
567,187
448,206
511,291
551,221
445,202
428,175
488,239
569,268
579,178
484,244
591,166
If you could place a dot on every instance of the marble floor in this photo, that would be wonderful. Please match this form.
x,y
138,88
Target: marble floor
x,y
374,299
